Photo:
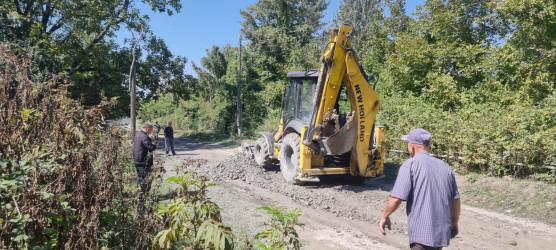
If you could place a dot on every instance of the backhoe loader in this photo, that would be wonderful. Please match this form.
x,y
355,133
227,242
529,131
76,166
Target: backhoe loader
x,y
314,137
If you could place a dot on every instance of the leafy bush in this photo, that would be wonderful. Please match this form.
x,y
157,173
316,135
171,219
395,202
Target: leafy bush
x,y
280,233
65,181
194,115
486,137
193,221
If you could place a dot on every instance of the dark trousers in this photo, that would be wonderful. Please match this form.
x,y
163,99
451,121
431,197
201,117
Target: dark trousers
x,y
417,246
142,174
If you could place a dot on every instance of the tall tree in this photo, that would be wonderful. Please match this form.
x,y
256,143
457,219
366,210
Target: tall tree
x,y
398,21
469,21
211,76
178,82
275,27
74,38
528,59
281,38
370,34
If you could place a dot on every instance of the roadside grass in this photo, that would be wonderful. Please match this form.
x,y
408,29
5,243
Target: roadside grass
x,y
522,198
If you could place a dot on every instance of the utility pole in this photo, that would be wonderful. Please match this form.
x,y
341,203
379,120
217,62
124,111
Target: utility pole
x,y
239,87
132,93
132,86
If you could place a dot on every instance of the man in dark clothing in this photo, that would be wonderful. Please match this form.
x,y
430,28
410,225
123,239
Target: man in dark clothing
x,y
169,138
157,128
142,146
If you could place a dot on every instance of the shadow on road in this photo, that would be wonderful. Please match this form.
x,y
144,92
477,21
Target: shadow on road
x,y
357,184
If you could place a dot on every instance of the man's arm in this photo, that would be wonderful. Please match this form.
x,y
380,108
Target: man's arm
x,y
148,144
456,207
391,207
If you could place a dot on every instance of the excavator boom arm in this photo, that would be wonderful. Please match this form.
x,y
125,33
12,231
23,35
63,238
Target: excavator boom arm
x,y
340,65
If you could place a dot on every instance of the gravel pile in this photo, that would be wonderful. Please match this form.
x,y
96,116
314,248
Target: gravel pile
x,y
341,196
239,166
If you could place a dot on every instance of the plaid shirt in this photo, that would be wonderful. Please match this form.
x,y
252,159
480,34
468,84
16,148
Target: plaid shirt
x,y
429,186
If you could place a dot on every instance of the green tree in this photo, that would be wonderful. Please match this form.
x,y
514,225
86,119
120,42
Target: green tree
x,y
370,34
281,36
74,39
275,27
528,59
479,73
398,21
212,74
177,81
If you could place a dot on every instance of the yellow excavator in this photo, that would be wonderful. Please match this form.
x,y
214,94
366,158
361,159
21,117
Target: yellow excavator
x,y
314,137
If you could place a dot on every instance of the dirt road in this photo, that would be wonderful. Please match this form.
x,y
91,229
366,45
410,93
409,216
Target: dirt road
x,y
336,213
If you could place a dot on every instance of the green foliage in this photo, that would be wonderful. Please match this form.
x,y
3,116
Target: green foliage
x,y
195,114
65,181
76,39
478,74
280,233
275,28
283,37
475,84
193,221
478,137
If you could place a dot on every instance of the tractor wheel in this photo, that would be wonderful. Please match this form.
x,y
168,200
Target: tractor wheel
x,y
289,157
260,153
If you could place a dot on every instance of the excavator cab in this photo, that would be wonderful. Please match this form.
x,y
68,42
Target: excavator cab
x,y
298,96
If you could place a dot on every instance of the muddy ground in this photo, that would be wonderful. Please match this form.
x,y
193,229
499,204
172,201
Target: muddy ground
x,y
338,213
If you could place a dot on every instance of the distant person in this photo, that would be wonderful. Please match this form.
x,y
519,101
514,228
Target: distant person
x,y
169,139
429,187
142,146
157,127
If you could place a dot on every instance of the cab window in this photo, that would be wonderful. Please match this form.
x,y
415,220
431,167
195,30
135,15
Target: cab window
x,y
306,99
289,102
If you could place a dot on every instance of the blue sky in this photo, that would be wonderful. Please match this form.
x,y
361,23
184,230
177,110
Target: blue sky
x,y
202,24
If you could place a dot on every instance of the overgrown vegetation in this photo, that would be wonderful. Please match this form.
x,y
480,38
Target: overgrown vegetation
x,y
480,75
193,221
77,39
65,181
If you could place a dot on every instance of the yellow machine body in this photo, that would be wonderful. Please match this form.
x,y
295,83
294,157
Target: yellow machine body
x,y
329,136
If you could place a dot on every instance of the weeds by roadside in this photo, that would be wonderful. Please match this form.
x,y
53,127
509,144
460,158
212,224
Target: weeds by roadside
x,y
521,198
280,233
193,221
65,180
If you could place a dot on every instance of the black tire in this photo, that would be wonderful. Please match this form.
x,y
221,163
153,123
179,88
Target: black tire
x,y
260,153
289,157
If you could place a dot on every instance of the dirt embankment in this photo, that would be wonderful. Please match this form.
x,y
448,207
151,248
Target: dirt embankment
x,y
338,213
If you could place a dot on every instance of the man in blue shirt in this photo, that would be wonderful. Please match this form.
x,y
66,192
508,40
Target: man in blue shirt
x,y
429,187
169,138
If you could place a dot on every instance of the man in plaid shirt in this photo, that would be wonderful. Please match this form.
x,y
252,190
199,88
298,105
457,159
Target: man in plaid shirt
x,y
429,187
